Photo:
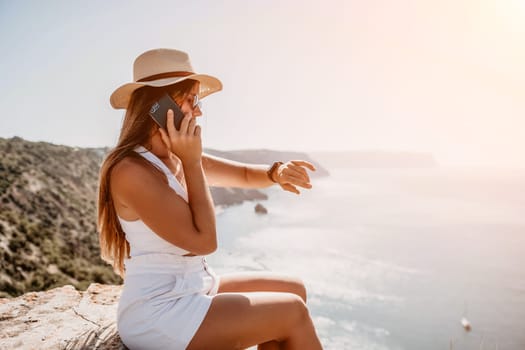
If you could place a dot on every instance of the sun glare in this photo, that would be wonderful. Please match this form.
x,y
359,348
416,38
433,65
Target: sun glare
x,y
512,13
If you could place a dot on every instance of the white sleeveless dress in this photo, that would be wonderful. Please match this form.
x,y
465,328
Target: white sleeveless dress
x,y
166,295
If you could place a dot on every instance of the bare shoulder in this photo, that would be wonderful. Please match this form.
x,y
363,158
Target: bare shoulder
x,y
128,169
131,173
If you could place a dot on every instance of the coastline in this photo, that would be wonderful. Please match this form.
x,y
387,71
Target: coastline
x,y
220,208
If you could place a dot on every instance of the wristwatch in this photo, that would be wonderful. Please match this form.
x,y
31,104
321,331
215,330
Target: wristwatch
x,y
274,167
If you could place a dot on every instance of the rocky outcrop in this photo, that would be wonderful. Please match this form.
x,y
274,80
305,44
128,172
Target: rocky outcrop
x,y
226,197
61,318
260,209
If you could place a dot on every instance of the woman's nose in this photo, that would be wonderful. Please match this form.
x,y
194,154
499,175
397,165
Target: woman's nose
x,y
197,111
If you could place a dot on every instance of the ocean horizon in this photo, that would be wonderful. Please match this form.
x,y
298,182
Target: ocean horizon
x,y
395,258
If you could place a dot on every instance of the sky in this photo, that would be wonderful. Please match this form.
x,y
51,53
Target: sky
x,y
445,77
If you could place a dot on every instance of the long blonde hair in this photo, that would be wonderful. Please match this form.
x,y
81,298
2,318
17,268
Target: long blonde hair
x,y
136,129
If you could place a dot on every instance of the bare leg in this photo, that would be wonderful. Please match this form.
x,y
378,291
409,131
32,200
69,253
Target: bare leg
x,y
241,320
261,282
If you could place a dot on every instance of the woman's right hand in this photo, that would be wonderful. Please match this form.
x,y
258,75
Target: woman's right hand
x,y
184,143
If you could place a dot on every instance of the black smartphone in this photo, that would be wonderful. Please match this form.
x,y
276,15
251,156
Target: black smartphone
x,y
159,112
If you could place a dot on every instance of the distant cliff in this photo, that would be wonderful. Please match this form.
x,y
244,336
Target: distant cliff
x,y
48,235
266,156
375,159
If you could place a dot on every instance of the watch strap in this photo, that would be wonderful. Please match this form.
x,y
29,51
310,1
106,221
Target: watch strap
x,y
272,169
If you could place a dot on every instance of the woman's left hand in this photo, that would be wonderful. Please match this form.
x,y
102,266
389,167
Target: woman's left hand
x,y
292,174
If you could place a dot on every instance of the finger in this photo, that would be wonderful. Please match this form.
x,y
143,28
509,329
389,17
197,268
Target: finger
x,y
290,188
291,177
191,126
297,181
299,172
198,130
184,124
304,163
298,169
169,123
301,184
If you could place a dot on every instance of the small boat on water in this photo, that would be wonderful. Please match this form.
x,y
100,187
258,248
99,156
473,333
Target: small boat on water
x,y
466,324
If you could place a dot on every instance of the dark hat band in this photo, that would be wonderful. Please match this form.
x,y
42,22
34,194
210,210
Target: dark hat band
x,y
165,75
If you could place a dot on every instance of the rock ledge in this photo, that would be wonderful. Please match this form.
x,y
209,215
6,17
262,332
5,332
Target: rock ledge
x,y
62,318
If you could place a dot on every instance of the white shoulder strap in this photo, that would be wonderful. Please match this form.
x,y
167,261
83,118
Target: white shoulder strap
x,y
153,159
159,164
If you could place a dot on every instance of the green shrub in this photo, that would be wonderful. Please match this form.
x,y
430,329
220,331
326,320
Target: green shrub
x,y
28,265
66,267
22,227
8,288
16,243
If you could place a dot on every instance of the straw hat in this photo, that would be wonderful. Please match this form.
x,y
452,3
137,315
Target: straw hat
x,y
162,67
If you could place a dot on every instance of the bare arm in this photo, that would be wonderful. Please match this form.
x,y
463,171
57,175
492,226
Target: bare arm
x,y
221,172
190,226
201,201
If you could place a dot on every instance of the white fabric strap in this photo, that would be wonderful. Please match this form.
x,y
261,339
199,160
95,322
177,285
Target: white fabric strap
x,y
171,177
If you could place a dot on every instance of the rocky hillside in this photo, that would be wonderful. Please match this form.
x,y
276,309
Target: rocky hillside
x,y
48,231
48,234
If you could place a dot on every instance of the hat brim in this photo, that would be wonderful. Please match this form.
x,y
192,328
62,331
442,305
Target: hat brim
x,y
120,97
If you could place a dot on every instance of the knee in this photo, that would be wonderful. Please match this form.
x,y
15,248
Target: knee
x,y
300,289
299,311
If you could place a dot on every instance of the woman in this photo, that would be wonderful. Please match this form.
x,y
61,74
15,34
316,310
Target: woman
x,y
157,222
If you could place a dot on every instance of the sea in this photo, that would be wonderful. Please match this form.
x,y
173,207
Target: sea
x,y
395,258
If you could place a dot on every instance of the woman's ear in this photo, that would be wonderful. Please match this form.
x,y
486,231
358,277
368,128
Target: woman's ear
x,y
161,140
154,131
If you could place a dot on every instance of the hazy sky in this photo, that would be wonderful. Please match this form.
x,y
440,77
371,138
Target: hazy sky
x,y
441,76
